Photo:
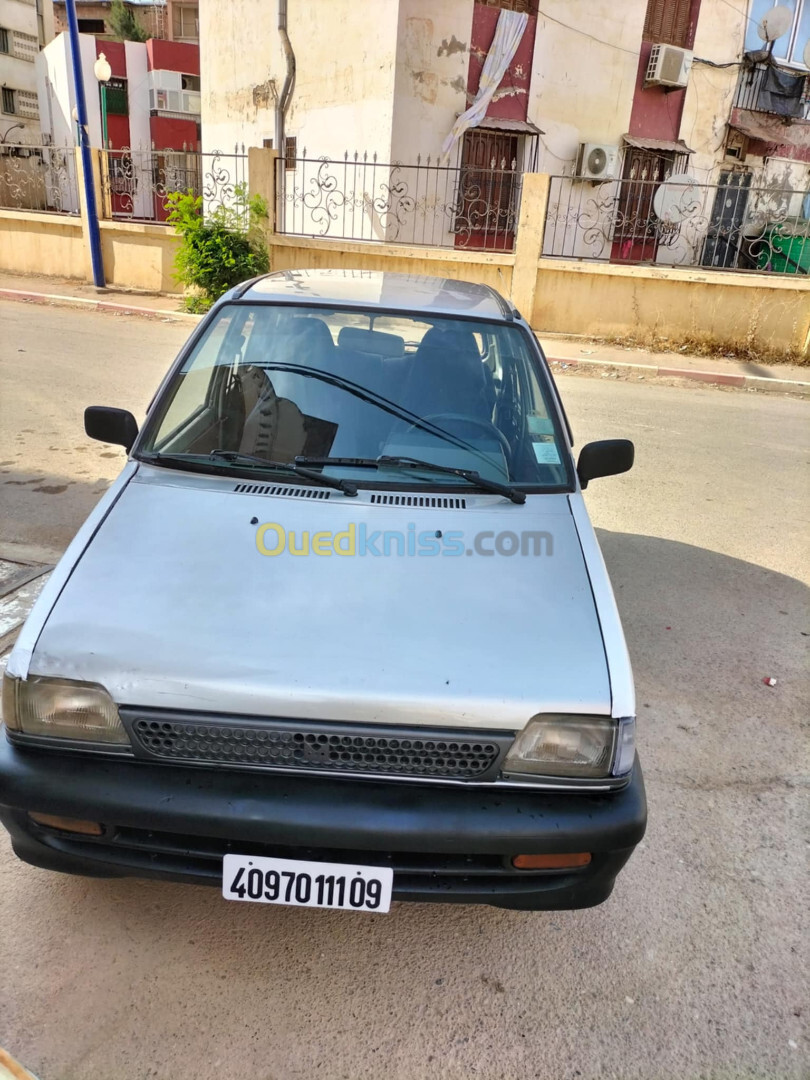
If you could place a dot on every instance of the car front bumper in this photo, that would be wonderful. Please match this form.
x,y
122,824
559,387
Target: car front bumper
x,y
452,844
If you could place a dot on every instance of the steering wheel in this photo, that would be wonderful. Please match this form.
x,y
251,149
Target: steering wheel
x,y
484,425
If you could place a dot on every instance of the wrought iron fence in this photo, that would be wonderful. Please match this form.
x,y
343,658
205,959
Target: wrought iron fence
x,y
137,183
730,225
360,198
38,177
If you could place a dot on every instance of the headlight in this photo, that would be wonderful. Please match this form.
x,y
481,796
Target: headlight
x,y
579,747
61,708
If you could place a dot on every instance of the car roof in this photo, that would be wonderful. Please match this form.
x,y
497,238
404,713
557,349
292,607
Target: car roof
x,y
374,288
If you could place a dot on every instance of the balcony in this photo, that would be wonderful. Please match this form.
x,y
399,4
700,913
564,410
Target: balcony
x,y
765,88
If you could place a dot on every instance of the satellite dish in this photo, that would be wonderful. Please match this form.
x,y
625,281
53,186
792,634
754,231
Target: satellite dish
x,y
806,54
677,199
775,23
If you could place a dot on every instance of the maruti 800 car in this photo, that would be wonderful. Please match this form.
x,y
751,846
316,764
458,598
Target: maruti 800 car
x,y
340,632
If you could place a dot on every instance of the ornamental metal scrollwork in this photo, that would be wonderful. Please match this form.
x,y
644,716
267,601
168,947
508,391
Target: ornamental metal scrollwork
x,y
680,223
426,202
38,177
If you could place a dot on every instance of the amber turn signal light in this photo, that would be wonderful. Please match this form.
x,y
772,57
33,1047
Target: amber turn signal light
x,y
551,862
68,824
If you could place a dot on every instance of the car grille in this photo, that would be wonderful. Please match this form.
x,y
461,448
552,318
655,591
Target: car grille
x,y
352,749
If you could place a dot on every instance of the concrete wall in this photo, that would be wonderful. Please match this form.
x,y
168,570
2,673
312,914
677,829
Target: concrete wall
x,y
300,253
584,73
342,98
136,256
719,37
715,307
33,243
430,88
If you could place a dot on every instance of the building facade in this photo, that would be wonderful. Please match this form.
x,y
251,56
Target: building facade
x,y
612,99
171,20
147,115
25,27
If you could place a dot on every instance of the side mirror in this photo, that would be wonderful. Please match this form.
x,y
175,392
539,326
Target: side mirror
x,y
604,458
111,425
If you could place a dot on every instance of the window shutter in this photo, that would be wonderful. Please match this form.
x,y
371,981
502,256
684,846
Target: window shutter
x,y
669,22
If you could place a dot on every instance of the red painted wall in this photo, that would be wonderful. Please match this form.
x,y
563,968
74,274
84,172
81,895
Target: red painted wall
x,y
172,56
512,106
656,113
117,126
170,133
115,54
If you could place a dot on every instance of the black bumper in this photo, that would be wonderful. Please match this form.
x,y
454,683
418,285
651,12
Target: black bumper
x,y
444,843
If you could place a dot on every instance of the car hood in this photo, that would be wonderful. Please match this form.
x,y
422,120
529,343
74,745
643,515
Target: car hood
x,y
172,606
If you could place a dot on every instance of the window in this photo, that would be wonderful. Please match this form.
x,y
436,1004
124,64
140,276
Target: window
x,y
489,183
290,152
190,82
117,97
3,40
92,26
669,22
529,6
790,46
9,101
635,233
185,26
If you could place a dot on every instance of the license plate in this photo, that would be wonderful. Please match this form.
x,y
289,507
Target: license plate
x,y
307,884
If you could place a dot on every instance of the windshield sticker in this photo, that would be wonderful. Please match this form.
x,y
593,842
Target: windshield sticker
x,y
546,453
539,425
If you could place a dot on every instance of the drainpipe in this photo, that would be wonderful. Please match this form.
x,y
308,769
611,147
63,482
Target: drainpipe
x,y
282,104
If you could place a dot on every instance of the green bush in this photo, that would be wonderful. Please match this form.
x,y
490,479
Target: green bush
x,y
123,24
220,250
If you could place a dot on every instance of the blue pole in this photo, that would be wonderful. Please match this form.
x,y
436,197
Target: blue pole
x,y
94,234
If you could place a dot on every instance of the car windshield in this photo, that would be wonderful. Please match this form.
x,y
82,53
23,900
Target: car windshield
x,y
279,383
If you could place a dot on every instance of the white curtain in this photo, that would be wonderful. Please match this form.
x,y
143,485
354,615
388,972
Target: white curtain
x,y
508,33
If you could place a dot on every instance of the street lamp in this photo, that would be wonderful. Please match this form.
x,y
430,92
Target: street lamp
x,y
103,72
5,134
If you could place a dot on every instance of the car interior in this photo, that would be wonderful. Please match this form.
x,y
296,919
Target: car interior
x,y
287,382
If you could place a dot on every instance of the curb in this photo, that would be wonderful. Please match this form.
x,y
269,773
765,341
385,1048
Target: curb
x,y
11,1069
715,378
94,305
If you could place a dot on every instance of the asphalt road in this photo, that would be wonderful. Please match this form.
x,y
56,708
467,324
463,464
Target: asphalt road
x,y
697,967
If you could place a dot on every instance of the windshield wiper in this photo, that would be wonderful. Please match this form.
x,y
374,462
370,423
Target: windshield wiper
x,y
416,464
377,400
253,461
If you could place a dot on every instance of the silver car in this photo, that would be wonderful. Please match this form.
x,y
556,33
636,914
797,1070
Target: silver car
x,y
340,632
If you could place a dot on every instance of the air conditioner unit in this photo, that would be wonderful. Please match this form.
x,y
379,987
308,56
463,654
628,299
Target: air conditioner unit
x,y
668,66
597,162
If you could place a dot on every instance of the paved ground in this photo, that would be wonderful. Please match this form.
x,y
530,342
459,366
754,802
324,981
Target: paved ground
x,y
697,967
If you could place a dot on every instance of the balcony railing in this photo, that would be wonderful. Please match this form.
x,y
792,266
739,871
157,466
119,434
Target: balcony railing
x,y
752,93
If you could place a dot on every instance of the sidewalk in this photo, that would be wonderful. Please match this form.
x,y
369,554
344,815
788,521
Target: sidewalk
x,y
562,351
43,289
720,370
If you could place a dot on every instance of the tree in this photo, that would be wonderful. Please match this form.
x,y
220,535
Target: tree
x,y
123,23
